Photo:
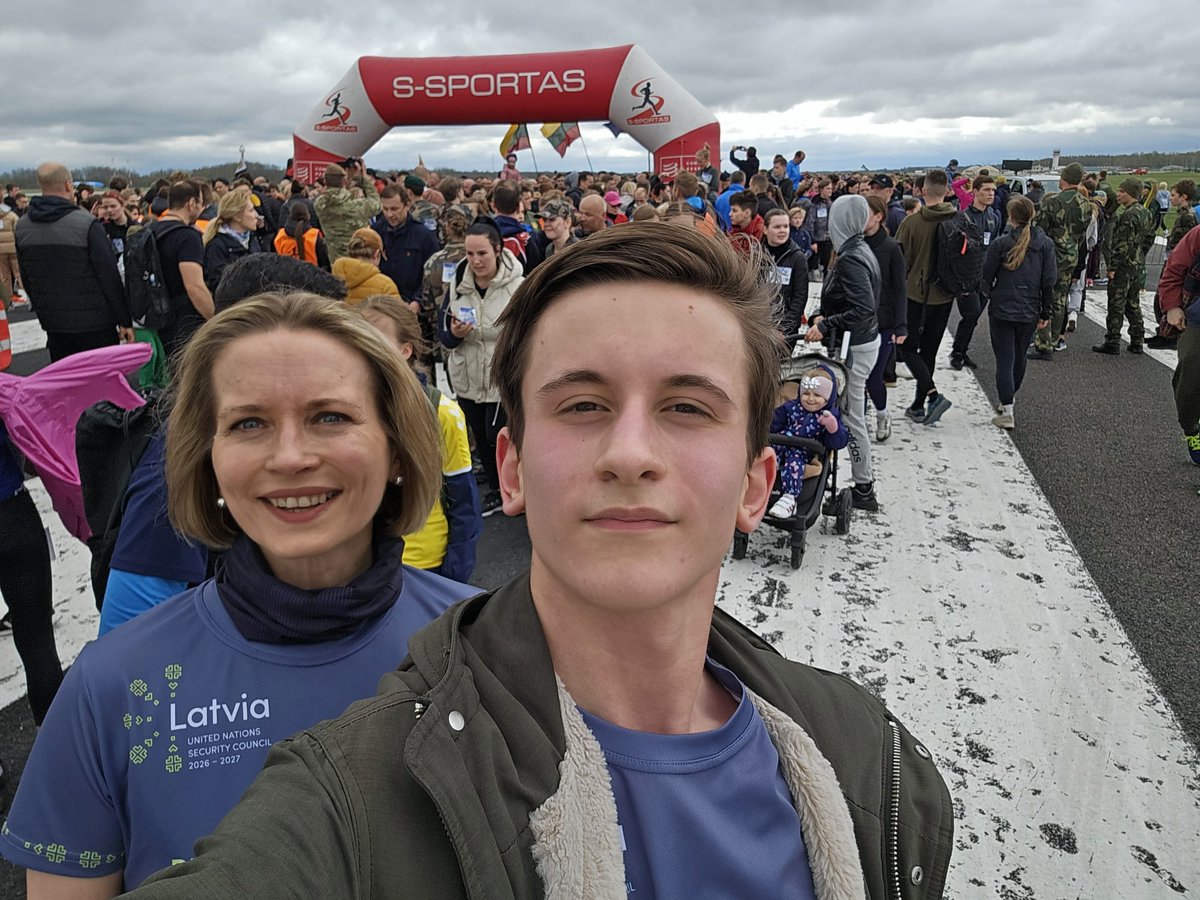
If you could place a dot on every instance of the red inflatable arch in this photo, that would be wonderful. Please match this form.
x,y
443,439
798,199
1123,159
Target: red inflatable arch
x,y
618,84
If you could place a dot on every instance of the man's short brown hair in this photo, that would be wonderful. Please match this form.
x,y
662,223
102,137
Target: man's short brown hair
x,y
936,181
403,408
980,180
650,252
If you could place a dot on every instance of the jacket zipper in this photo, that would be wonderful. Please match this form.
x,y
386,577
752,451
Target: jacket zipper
x,y
894,816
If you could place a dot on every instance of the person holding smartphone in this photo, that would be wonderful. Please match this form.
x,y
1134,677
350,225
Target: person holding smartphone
x,y
483,284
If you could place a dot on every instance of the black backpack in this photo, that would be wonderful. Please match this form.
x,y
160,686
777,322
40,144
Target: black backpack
x,y
145,288
109,443
958,254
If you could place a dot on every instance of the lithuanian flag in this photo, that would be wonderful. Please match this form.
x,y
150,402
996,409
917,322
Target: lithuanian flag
x,y
561,135
516,138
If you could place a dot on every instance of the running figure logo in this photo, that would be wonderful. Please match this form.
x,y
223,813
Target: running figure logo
x,y
338,115
649,111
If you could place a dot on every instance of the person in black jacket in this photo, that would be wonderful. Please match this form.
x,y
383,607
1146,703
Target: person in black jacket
x,y
69,270
849,299
791,269
230,235
892,315
1019,272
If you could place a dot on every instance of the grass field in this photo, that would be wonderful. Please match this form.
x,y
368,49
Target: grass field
x,y
1169,177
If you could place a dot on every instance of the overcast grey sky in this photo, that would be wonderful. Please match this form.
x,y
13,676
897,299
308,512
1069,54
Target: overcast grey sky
x,y
155,84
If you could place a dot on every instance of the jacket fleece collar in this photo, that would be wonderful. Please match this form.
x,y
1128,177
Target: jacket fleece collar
x,y
576,844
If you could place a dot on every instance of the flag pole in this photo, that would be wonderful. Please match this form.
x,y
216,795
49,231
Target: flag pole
x,y
536,170
583,144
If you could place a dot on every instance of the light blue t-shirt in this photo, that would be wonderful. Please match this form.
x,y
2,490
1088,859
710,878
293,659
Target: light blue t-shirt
x,y
705,815
161,725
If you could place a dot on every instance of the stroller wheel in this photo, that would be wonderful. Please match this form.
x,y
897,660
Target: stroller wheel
x,y
741,541
845,512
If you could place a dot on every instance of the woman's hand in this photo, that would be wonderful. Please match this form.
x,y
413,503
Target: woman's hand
x,y
460,329
814,333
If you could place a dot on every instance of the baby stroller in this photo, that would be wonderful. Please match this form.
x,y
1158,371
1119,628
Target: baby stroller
x,y
812,502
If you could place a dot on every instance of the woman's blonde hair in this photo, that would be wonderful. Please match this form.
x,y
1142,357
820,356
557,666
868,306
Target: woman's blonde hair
x,y
192,488
405,325
232,205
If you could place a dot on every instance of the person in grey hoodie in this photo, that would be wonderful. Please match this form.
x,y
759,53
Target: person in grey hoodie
x,y
1020,273
849,302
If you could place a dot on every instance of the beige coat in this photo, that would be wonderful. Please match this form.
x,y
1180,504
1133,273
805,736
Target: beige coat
x,y
470,362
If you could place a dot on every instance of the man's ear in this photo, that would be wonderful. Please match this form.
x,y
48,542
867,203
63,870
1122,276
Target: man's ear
x,y
508,461
756,491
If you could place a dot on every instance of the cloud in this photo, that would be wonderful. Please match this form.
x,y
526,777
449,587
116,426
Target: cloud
x,y
149,85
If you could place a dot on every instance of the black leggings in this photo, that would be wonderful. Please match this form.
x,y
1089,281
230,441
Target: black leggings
x,y
26,584
1010,340
485,421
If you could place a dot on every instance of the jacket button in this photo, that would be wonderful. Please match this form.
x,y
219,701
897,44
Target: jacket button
x,y
921,751
917,875
457,722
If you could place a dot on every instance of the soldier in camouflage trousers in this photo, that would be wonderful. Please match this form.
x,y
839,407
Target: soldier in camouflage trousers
x,y
1064,217
1129,237
1183,195
340,212
439,273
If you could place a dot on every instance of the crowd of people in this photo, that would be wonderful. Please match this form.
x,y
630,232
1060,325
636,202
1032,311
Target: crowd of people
x,y
313,498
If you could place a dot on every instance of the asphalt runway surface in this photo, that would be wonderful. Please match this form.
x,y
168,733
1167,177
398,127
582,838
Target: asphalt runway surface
x,y
1098,434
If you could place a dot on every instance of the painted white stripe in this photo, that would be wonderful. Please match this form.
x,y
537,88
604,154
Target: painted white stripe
x,y
1096,309
26,336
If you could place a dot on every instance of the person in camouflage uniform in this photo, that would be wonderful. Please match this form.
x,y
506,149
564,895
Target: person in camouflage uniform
x,y
1129,237
439,272
1183,195
342,213
1064,217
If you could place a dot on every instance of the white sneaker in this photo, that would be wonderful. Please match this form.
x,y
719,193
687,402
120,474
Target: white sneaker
x,y
1004,418
784,508
21,293
1072,321
883,427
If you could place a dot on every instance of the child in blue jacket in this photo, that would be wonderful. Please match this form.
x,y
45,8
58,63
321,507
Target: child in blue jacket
x,y
810,415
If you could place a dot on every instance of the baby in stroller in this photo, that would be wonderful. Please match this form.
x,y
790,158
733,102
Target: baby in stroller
x,y
813,414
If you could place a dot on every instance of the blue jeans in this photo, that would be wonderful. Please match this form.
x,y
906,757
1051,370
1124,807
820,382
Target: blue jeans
x,y
1010,340
875,389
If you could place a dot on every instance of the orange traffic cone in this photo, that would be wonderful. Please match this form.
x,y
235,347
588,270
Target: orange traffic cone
x,y
5,341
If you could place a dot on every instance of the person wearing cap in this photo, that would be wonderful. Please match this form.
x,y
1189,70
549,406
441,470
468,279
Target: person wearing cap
x,y
340,212
359,268
1129,237
612,200
883,187
557,217
407,244
1064,217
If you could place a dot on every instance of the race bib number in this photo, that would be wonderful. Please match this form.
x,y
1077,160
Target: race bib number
x,y
822,212
448,272
784,274
987,238
466,315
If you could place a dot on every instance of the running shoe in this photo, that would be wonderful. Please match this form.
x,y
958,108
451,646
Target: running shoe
x,y
1072,321
1038,353
917,414
883,426
490,504
1004,420
862,496
1193,445
936,408
1060,345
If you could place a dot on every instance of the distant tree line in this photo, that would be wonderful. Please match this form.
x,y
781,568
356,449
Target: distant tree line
x,y
27,177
